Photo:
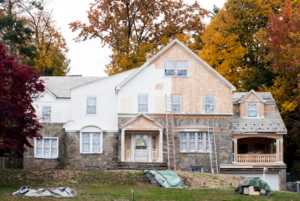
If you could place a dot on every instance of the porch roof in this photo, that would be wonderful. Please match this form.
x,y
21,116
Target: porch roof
x,y
142,122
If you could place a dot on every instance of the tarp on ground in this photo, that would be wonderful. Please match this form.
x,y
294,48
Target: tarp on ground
x,y
167,178
293,187
255,182
58,192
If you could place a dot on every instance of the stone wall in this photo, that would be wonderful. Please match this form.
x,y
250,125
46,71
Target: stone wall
x,y
48,130
282,177
69,156
76,160
185,160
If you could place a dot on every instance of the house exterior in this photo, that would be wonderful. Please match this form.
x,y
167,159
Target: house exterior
x,y
119,121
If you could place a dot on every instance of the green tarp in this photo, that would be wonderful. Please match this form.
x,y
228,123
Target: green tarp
x,y
255,183
167,178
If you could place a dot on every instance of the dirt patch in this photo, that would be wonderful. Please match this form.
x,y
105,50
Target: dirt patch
x,y
194,179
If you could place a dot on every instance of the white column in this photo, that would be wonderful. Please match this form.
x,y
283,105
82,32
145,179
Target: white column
x,y
279,145
150,148
234,151
122,145
160,145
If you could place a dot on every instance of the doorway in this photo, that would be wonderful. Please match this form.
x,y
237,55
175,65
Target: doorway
x,y
141,148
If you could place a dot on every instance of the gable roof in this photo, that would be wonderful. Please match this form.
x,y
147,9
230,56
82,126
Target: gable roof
x,y
190,52
143,116
60,86
266,97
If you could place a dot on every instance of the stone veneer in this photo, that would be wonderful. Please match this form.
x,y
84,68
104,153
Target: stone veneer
x,y
69,156
48,130
185,160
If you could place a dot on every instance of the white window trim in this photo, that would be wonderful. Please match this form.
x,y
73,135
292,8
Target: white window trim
x,y
256,110
86,98
214,105
46,138
91,141
43,113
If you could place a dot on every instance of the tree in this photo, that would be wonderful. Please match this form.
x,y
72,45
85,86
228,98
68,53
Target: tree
x,y
27,28
283,31
13,31
137,25
235,43
18,121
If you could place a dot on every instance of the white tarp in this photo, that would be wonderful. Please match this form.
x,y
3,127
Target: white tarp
x,y
58,192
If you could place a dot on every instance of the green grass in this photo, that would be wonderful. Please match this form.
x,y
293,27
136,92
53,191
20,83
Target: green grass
x,y
114,185
123,192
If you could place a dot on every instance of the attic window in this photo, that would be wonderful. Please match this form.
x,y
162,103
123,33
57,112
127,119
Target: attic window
x,y
182,68
169,68
252,110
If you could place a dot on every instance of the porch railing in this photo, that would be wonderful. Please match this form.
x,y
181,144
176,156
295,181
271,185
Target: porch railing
x,y
256,158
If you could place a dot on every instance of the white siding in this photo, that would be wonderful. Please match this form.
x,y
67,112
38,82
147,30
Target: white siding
x,y
60,108
145,83
106,117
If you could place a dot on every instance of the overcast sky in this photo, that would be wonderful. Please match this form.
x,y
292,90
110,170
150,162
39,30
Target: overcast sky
x,y
89,58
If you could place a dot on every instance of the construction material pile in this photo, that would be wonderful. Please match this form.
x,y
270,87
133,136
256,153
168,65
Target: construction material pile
x,y
253,186
58,192
168,179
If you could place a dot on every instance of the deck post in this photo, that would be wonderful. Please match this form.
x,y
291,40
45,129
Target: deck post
x,y
123,144
235,151
160,145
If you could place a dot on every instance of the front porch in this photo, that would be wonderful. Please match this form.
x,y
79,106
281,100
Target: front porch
x,y
141,142
257,149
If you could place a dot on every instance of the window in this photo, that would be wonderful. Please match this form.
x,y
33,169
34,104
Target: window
x,y
196,142
252,109
46,148
169,68
183,140
182,68
46,113
176,103
91,103
91,143
208,141
196,169
154,143
209,104
200,142
128,142
143,103
192,142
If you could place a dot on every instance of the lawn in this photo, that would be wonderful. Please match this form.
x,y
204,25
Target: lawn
x,y
115,185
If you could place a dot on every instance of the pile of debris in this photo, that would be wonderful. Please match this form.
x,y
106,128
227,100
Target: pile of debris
x,y
253,186
168,179
58,192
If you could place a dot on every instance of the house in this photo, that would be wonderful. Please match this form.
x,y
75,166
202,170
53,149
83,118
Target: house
x,y
120,121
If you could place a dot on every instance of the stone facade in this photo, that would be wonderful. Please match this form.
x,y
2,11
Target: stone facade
x,y
48,130
185,160
69,156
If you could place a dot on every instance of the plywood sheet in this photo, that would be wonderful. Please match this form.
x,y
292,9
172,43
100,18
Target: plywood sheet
x,y
199,83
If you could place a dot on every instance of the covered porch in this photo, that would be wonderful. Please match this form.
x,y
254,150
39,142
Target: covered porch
x,y
142,140
258,148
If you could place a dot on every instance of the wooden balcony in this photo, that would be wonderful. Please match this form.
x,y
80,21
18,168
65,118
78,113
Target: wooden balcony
x,y
256,158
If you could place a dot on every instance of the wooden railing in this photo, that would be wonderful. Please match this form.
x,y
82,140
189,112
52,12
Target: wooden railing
x,y
256,158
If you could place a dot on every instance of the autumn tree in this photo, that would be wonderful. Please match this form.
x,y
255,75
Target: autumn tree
x,y
50,46
136,29
283,30
235,43
18,121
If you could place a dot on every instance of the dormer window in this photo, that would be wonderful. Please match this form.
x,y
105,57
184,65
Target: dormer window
x,y
169,68
252,109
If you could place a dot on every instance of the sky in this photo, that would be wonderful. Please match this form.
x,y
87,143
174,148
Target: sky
x,y
89,58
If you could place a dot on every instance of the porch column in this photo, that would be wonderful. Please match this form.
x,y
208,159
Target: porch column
x,y
279,151
234,151
160,145
122,145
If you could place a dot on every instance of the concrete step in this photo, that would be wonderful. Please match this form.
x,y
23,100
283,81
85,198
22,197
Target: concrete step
x,y
141,166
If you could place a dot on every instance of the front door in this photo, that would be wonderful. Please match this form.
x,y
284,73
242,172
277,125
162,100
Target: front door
x,y
141,148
